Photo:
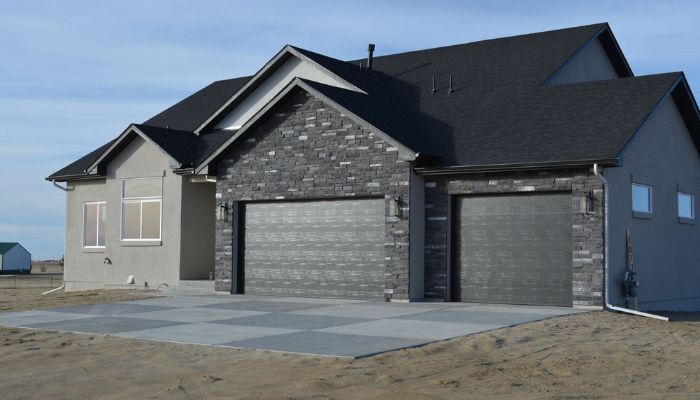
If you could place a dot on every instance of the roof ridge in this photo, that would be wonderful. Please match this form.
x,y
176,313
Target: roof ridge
x,y
599,25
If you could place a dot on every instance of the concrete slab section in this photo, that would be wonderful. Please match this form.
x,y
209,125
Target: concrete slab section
x,y
103,325
501,308
109,309
195,314
324,343
26,318
204,333
292,321
310,300
476,317
369,311
182,301
410,329
267,306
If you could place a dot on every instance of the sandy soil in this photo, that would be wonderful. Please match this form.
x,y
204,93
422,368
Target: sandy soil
x,y
597,355
31,299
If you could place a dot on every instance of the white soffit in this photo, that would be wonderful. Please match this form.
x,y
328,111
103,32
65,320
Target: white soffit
x,y
294,67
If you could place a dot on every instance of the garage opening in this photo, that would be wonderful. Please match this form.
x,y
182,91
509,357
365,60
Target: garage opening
x,y
325,248
513,248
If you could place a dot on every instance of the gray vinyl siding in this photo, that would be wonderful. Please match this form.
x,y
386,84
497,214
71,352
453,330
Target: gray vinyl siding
x,y
666,251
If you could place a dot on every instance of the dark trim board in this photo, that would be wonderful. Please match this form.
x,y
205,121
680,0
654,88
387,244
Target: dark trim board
x,y
238,243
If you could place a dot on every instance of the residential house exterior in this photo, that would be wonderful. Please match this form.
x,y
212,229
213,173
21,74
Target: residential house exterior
x,y
502,171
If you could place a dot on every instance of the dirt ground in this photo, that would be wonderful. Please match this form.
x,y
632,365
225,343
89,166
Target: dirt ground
x,y
31,299
597,355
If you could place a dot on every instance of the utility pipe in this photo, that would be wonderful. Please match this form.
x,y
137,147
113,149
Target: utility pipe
x,y
54,290
606,274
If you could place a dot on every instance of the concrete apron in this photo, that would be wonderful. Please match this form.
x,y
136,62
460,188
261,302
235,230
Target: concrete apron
x,y
321,327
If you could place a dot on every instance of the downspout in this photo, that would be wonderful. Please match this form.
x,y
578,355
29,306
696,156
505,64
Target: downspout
x,y
606,269
65,189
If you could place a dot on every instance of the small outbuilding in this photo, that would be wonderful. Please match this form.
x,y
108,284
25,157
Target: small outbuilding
x,y
14,258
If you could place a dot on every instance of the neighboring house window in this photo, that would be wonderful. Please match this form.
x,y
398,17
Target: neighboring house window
x,y
94,219
641,198
141,208
686,205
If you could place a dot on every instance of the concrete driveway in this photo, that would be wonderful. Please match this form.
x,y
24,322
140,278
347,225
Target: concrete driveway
x,y
328,327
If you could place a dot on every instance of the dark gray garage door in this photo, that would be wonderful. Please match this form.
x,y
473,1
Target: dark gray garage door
x,y
513,249
315,248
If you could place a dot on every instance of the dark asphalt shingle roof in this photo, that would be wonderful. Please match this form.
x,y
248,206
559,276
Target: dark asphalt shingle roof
x,y
191,112
6,246
79,166
500,111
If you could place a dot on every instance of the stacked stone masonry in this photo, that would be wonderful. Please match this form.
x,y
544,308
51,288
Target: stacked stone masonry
x,y
587,224
306,149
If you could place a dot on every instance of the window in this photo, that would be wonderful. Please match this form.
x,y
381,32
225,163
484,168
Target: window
x,y
141,208
641,198
94,218
686,205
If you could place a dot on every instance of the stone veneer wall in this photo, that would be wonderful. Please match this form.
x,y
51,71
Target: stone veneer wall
x,y
587,233
308,150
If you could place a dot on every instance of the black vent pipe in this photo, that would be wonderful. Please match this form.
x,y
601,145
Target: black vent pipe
x,y
370,56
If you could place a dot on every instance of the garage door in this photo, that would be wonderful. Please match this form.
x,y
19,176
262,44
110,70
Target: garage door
x,y
513,249
315,249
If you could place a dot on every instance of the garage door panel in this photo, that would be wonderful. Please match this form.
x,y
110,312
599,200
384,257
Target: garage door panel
x,y
331,248
514,249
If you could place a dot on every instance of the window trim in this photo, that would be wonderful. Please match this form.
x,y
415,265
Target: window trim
x,y
692,206
140,201
97,225
641,213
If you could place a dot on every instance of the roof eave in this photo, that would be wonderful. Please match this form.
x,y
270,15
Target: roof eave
x,y
404,152
471,169
261,74
132,128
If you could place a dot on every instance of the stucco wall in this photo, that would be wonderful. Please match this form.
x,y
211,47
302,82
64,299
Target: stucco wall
x,y
307,150
155,263
587,227
666,252
591,63
197,247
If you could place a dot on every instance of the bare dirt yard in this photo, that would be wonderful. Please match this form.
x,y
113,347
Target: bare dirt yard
x,y
597,355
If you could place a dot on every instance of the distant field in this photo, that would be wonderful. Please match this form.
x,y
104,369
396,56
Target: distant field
x,y
47,267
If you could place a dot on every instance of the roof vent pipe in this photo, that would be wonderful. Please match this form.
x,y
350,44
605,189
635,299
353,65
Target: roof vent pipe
x,y
370,55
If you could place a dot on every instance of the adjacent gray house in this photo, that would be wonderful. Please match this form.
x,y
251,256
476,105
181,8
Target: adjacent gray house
x,y
14,259
502,171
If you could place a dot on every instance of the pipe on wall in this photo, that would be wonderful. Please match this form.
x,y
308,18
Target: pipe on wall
x,y
606,269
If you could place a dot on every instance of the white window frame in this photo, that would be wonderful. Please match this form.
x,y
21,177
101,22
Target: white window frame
x,y
140,201
692,204
651,198
97,225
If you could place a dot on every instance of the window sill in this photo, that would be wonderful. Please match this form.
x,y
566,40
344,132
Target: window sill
x,y
642,215
93,249
140,243
687,221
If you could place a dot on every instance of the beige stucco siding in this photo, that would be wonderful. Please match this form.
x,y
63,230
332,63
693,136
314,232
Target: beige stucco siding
x,y
154,262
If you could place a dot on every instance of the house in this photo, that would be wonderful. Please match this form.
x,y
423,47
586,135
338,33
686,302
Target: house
x,y
479,172
14,259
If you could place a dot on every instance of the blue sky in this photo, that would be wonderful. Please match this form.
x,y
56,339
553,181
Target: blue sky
x,y
74,74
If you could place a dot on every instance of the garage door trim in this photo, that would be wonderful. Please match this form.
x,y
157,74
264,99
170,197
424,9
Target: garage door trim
x,y
238,224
